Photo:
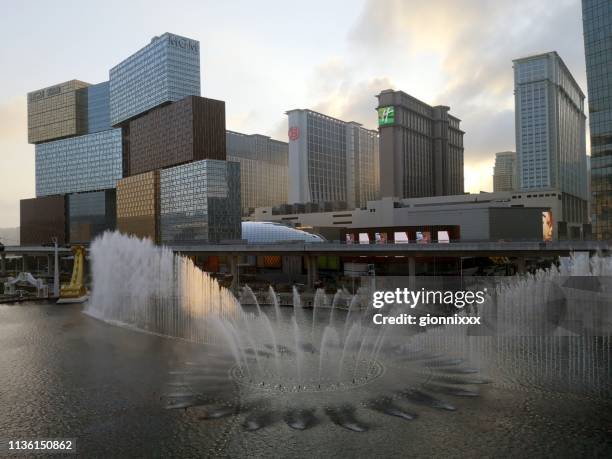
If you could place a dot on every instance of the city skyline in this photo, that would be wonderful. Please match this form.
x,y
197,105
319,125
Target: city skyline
x,y
464,61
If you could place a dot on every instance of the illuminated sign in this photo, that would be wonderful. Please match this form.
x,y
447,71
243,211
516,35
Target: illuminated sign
x,y
380,238
547,226
400,237
386,116
423,237
294,133
443,237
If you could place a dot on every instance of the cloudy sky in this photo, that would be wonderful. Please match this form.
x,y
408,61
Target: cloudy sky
x,y
263,58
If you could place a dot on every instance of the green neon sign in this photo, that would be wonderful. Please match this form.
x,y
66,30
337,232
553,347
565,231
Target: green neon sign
x,y
386,116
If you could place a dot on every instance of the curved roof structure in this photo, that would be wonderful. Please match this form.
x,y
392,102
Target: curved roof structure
x,y
270,232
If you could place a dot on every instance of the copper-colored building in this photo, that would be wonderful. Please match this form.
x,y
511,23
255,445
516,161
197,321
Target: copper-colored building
x,y
43,219
57,111
138,205
190,129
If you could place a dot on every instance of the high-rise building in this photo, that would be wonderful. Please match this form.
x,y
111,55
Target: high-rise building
x,y
200,202
138,205
329,159
89,162
421,148
42,219
550,133
165,70
188,130
263,169
90,214
57,111
505,174
141,152
597,26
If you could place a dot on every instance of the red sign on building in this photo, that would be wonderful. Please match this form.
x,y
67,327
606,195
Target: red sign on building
x,y
294,133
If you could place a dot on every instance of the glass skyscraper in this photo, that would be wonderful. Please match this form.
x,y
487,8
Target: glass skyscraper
x,y
90,214
85,163
550,134
165,70
597,24
98,110
200,202
138,205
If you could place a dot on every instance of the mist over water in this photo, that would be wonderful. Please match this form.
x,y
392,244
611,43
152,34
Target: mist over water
x,y
138,284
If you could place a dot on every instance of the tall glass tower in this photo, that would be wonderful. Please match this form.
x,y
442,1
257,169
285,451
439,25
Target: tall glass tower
x,y
597,22
165,70
551,134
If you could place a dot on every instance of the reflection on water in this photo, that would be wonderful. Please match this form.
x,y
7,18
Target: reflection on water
x,y
65,373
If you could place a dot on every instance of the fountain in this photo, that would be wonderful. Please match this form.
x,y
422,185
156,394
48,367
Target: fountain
x,y
261,359
146,287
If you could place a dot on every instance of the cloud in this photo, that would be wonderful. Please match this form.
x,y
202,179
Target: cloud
x,y
348,99
473,43
336,89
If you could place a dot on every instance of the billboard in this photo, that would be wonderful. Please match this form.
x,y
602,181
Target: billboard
x,y
547,225
423,237
380,238
400,237
443,237
386,116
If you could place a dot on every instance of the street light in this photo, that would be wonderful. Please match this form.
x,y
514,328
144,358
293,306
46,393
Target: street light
x,y
56,270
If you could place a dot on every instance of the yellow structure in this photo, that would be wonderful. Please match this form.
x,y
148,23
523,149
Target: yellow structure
x,y
75,290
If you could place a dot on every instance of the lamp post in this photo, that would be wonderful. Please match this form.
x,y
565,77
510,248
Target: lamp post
x,y
56,270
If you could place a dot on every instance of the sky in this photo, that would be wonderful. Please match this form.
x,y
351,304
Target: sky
x,y
264,58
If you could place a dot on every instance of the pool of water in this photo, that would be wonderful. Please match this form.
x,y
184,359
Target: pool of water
x,y
65,374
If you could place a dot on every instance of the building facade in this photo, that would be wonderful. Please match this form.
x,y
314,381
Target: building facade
x,y
550,132
200,202
43,219
138,205
421,148
165,70
477,217
191,129
597,26
57,111
98,108
505,176
85,163
90,214
329,158
263,169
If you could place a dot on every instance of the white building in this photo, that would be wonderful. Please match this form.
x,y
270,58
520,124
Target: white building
x,y
331,160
